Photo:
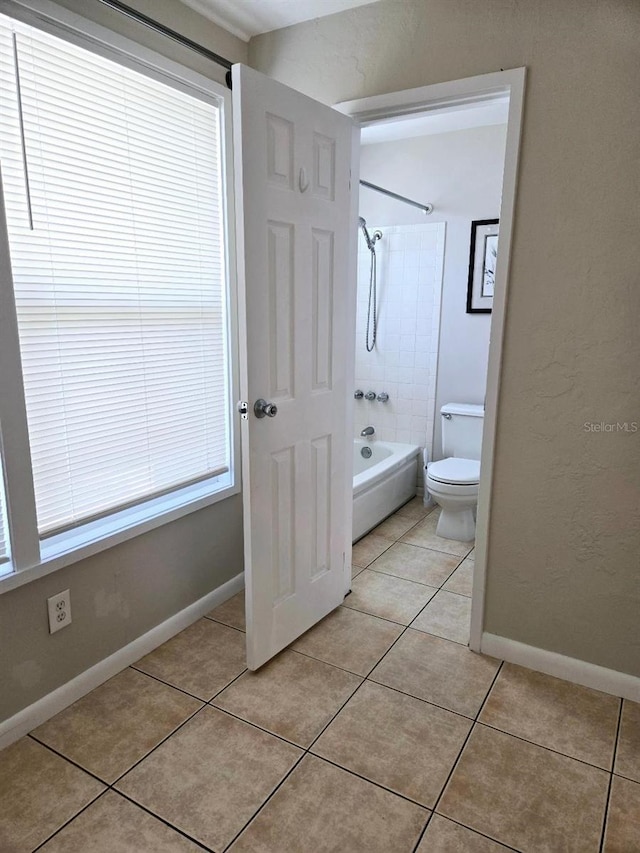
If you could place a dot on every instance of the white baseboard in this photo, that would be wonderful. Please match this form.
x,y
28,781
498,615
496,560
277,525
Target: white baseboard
x,y
42,710
571,669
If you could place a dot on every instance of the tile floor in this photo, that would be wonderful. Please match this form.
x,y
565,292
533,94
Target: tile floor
x,y
377,731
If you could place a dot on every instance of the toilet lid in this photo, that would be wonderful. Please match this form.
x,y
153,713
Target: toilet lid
x,y
453,470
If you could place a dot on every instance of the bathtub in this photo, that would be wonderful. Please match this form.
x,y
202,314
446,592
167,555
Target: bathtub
x,y
382,483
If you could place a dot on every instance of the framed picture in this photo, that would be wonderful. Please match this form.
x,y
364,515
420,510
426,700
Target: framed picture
x,y
482,265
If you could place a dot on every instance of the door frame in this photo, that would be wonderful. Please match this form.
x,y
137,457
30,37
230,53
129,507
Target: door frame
x,y
469,91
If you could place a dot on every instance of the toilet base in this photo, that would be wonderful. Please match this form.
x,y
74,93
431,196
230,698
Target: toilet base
x,y
457,524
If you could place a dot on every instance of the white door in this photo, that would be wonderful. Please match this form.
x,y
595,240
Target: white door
x,y
297,220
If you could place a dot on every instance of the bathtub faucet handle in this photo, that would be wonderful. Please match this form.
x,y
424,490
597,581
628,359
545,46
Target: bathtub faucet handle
x,y
370,395
383,397
358,395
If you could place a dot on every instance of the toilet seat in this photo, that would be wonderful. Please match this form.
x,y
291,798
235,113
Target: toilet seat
x,y
455,471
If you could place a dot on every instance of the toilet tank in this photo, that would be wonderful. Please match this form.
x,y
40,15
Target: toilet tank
x,y
462,430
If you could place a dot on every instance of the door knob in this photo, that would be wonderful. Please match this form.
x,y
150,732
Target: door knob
x,y
262,409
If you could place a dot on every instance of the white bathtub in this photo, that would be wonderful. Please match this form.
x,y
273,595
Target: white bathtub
x,y
382,483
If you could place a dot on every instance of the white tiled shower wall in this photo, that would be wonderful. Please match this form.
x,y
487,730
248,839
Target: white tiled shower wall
x,y
404,361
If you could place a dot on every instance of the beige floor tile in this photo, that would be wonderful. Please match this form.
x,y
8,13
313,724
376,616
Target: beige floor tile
x,y
293,696
114,726
231,612
388,597
394,526
444,836
349,639
628,754
395,740
201,660
623,820
324,809
39,792
447,615
415,509
525,796
211,776
114,825
437,671
424,535
416,564
368,549
461,581
568,718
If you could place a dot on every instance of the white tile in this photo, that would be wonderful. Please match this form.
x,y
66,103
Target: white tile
x,y
408,327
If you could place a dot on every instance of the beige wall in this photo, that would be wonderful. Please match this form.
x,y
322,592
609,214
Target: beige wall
x,y
121,593
564,560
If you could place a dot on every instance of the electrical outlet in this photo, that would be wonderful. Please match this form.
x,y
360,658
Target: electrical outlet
x,y
59,609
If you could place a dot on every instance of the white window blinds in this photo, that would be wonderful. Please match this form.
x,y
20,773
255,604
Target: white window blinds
x,y
119,285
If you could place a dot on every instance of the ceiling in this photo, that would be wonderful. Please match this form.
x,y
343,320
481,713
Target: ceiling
x,y
442,120
247,18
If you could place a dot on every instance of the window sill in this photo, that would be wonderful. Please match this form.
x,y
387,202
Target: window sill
x,y
96,536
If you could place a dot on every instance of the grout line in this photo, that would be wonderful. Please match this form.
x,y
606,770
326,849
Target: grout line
x,y
439,636
258,727
166,683
264,802
233,681
66,758
542,746
306,751
403,578
477,832
330,663
164,821
159,744
71,819
613,764
367,779
366,612
419,698
226,625
457,760
325,727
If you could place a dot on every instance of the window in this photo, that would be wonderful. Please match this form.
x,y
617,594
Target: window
x,y
4,543
113,190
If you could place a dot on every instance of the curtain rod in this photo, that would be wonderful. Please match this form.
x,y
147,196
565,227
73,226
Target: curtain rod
x,y
428,208
157,27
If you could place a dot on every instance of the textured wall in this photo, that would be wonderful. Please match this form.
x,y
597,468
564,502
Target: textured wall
x,y
564,565
121,593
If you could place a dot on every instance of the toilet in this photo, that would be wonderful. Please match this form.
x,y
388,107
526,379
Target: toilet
x,y
453,481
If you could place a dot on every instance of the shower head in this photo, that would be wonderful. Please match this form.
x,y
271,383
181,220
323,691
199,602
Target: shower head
x,y
371,241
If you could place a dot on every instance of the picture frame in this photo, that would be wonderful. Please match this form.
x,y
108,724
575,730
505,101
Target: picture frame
x,y
483,254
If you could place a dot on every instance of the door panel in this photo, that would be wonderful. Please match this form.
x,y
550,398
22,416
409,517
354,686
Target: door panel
x,y
296,237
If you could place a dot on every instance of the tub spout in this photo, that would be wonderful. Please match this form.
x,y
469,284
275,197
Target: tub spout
x,y
368,431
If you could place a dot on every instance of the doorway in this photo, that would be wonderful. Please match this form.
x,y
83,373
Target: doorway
x,y
378,111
